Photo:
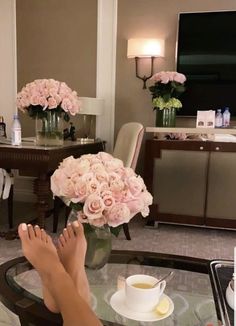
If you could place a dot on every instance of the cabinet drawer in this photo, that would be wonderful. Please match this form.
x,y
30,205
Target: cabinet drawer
x,y
222,147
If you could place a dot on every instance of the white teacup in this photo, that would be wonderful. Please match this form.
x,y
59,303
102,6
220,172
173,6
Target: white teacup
x,y
140,295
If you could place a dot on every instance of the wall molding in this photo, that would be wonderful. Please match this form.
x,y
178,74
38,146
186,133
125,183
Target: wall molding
x,y
106,68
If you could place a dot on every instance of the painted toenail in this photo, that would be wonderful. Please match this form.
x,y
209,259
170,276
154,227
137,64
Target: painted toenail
x,y
24,226
69,224
75,223
64,229
36,226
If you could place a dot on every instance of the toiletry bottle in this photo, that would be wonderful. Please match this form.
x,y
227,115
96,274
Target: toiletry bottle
x,y
226,117
2,127
219,119
16,131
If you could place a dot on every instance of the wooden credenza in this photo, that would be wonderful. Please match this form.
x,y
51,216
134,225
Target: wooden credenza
x,y
193,182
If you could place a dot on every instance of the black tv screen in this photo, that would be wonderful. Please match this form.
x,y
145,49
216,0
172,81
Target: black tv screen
x,y
206,54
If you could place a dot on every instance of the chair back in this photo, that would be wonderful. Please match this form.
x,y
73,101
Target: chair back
x,y
128,143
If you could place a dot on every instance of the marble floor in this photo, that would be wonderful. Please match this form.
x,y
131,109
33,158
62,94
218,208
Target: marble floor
x,y
173,239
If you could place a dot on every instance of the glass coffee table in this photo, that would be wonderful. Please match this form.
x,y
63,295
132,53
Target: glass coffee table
x,y
190,289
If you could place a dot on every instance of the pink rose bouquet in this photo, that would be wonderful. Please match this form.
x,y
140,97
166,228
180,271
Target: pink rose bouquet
x,y
43,95
168,86
101,189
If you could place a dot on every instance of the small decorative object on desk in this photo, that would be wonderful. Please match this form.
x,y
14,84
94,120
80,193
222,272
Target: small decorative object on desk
x,y
49,102
169,85
103,194
2,127
16,131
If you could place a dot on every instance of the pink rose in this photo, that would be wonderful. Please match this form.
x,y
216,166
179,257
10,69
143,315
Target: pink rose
x,y
93,186
180,78
113,165
135,206
67,189
52,103
117,185
118,214
57,179
108,199
93,207
135,185
66,105
81,191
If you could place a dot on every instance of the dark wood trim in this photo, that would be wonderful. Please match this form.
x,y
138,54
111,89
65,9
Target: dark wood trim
x,y
221,222
183,219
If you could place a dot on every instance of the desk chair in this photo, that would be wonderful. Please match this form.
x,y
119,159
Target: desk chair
x,y
127,148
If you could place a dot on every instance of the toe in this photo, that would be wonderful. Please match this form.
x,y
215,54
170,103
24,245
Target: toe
x,y
37,231
77,227
65,234
23,232
43,235
31,231
62,240
59,244
70,230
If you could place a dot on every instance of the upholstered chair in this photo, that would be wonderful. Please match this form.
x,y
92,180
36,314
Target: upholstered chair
x,y
127,148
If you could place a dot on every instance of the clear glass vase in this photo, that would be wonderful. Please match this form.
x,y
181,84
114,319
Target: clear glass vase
x,y
165,117
49,129
99,243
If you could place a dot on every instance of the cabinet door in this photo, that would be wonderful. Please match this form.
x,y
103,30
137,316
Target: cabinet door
x,y
221,197
180,183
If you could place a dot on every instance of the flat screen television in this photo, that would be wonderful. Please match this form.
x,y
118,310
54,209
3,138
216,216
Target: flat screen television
x,y
206,54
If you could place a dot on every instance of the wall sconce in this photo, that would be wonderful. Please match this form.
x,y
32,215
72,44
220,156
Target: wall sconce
x,y
145,48
90,108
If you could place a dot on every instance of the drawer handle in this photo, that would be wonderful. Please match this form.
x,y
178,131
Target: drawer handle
x,y
217,148
201,148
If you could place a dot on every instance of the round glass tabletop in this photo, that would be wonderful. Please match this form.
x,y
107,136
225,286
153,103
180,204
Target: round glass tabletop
x,y
190,289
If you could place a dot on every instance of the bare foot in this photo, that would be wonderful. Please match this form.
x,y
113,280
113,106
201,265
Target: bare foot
x,y
72,248
40,251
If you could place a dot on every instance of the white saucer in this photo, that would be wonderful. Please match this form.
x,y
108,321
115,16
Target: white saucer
x,y
117,302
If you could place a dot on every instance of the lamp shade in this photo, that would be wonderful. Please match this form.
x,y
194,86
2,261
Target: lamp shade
x,y
91,105
144,47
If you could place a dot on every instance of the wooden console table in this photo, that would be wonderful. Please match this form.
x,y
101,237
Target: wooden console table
x,y
43,161
153,150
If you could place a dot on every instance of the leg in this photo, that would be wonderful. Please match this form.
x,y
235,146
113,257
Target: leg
x,y
72,248
42,254
126,231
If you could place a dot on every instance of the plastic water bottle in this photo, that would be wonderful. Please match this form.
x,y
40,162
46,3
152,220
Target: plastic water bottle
x,y
16,131
226,118
219,119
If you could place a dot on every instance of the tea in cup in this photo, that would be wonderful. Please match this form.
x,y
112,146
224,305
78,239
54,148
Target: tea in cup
x,y
140,295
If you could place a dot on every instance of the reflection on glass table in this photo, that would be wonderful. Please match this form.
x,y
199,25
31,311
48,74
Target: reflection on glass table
x,y
190,288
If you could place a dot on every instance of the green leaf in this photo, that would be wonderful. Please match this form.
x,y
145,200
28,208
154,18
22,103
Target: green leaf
x,y
116,230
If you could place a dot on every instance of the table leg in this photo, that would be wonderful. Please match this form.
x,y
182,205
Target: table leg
x,y
151,152
42,191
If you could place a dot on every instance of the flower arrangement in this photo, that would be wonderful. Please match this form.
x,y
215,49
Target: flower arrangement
x,y
101,189
42,95
169,85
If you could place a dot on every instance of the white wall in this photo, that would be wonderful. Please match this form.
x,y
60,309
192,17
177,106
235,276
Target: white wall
x,y
7,61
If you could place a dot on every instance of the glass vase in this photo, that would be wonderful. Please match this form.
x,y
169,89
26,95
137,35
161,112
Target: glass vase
x,y
99,243
49,129
165,117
